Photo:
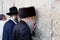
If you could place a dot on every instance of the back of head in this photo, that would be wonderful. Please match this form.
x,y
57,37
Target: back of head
x,y
27,12
1,16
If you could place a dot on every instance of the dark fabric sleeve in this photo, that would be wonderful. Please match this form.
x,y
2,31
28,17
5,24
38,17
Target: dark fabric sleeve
x,y
5,33
21,32
14,34
10,32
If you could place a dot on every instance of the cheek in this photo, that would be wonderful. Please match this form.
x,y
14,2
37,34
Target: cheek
x,y
33,23
16,17
4,18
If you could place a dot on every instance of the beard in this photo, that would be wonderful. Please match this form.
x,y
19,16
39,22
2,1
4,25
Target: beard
x,y
16,20
31,25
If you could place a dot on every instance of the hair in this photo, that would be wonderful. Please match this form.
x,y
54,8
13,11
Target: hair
x,y
1,16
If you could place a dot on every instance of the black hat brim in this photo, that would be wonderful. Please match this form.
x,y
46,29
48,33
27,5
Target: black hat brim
x,y
8,14
12,13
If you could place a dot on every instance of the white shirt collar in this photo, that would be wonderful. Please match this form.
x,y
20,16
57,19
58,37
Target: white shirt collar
x,y
12,20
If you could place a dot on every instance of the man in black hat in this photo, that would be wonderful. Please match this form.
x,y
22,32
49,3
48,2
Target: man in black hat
x,y
8,27
24,29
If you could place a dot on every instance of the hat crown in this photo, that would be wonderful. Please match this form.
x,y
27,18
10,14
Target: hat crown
x,y
27,12
13,11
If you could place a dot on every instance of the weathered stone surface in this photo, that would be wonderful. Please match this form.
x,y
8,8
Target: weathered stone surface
x,y
48,16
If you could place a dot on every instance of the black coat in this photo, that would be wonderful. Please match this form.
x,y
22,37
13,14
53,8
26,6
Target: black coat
x,y
21,31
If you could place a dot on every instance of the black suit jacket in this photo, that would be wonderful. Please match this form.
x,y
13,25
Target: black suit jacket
x,y
7,30
21,31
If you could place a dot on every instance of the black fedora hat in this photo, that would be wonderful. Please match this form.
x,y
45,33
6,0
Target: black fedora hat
x,y
27,12
13,11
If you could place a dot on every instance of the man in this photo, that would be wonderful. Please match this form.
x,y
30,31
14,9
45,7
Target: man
x,y
2,22
8,27
24,29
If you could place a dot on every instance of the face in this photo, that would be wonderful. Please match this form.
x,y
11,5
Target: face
x,y
4,18
16,17
33,19
32,22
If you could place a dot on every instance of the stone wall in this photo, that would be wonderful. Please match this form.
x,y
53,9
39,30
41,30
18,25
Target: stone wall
x,y
48,15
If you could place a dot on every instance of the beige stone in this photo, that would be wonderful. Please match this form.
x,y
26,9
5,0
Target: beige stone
x,y
48,11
